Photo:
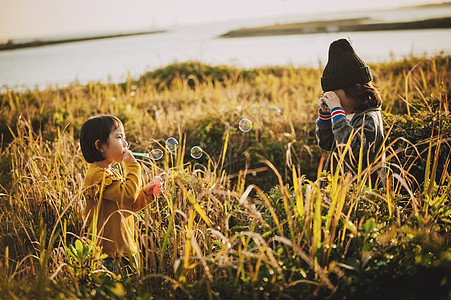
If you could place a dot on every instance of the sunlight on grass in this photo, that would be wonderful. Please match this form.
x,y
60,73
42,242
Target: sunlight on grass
x,y
254,215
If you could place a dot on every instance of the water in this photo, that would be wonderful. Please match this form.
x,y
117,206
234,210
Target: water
x,y
111,60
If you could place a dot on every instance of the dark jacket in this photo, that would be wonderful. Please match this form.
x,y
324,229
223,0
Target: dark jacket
x,y
334,137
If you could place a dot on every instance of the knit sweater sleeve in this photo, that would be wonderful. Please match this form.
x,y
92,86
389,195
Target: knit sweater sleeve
x,y
324,134
128,193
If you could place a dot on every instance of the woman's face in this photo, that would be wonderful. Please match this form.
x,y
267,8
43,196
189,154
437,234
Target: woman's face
x,y
114,149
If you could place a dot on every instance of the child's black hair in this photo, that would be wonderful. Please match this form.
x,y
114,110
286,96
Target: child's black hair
x,y
96,128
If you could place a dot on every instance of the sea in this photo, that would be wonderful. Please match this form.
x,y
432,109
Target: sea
x,y
114,59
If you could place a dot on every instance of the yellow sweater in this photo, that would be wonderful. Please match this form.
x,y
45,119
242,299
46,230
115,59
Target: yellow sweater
x,y
120,196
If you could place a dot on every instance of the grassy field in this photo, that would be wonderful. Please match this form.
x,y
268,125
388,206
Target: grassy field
x,y
248,219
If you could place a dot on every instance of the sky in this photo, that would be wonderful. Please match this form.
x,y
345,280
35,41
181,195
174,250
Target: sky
x,y
36,18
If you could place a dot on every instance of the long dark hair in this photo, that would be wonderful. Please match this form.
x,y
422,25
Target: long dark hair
x,y
366,95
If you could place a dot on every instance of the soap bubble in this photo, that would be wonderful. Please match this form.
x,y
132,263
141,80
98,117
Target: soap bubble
x,y
156,154
196,152
172,144
245,125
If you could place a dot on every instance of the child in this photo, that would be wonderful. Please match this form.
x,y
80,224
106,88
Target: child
x,y
111,198
349,103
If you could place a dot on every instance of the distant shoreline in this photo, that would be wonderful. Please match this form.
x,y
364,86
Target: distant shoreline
x,y
360,24
38,43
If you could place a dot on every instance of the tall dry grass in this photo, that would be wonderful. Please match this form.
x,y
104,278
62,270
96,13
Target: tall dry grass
x,y
214,233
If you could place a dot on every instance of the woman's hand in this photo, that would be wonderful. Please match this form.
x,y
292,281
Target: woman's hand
x,y
331,99
153,187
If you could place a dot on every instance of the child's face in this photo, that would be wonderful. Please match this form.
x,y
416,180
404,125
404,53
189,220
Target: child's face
x,y
114,149
341,94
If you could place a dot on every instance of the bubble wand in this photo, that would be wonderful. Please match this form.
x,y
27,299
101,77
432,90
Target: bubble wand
x,y
140,154
155,154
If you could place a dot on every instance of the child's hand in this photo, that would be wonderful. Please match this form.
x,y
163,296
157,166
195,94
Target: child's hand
x,y
331,99
128,157
153,187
